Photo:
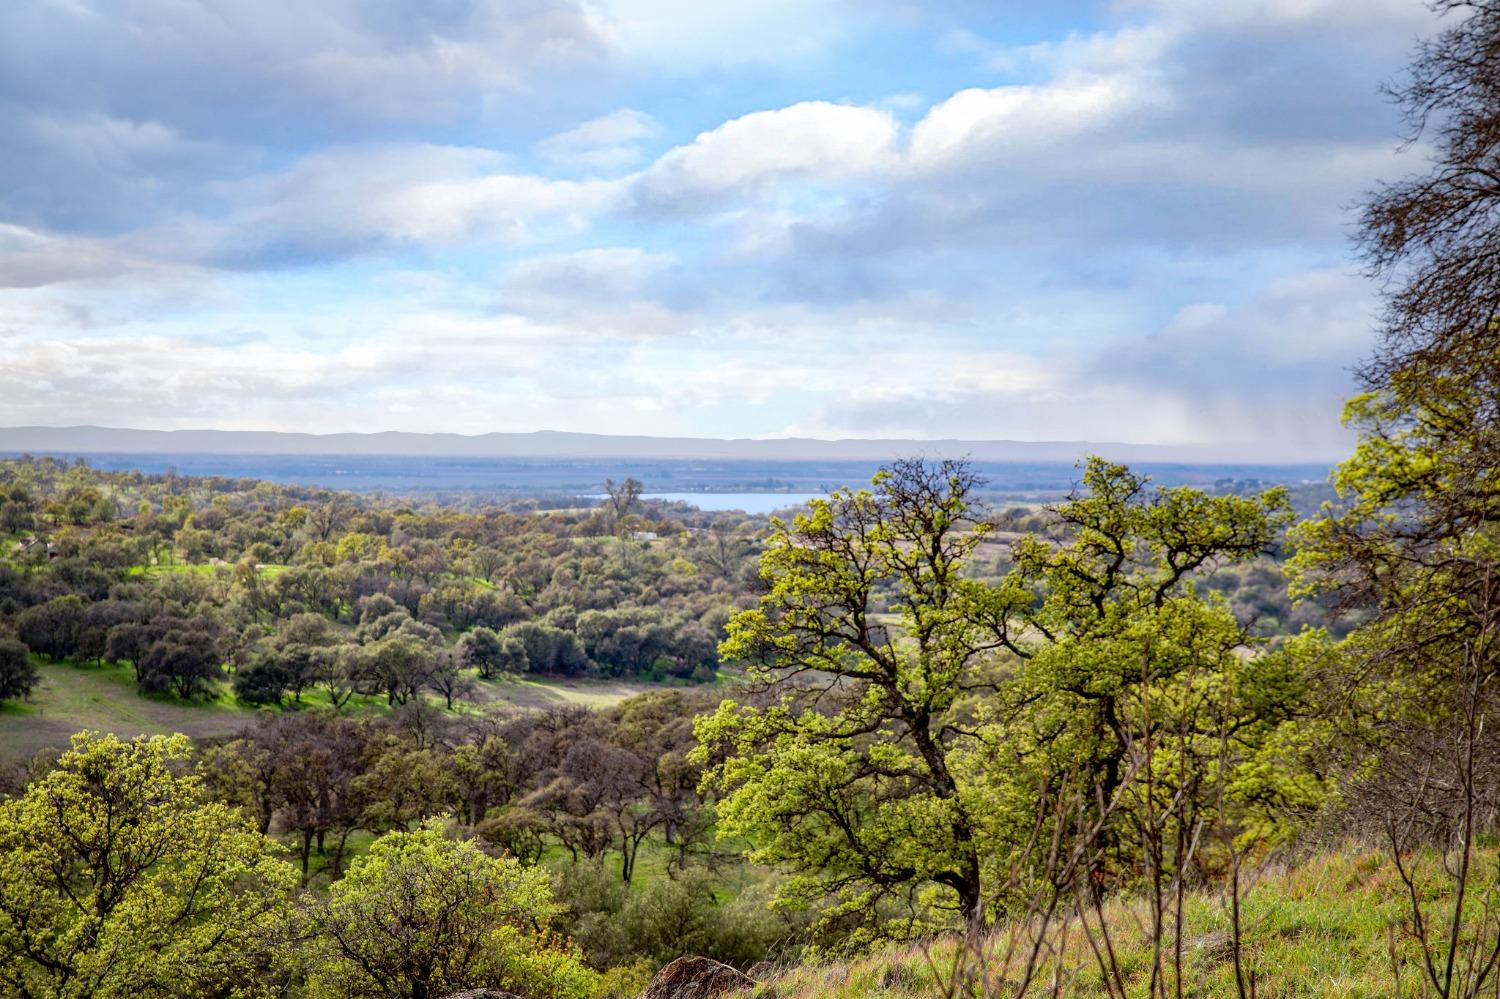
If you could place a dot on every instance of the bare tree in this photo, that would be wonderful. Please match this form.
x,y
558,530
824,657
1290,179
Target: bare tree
x,y
1435,237
623,498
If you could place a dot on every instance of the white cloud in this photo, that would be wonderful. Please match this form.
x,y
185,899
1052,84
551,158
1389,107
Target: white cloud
x,y
31,258
1131,243
612,291
1007,123
609,272
352,200
608,142
813,140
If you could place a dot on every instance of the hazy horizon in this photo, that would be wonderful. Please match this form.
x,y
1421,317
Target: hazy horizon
x,y
89,439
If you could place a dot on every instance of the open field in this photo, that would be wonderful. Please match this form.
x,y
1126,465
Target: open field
x,y
532,693
73,697
201,569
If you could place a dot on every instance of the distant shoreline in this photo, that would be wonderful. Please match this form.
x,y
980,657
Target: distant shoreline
x,y
537,476
557,445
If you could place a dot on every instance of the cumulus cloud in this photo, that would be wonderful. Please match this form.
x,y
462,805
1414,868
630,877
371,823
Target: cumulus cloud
x,y
607,142
813,140
1008,123
349,201
1132,229
117,113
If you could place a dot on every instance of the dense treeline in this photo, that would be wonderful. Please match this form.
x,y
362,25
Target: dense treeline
x,y
815,777
295,589
877,768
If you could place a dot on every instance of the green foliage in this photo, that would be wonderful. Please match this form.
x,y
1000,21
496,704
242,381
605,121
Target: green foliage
x,y
483,651
425,916
902,768
1414,540
1323,931
18,674
118,877
298,587
689,912
545,649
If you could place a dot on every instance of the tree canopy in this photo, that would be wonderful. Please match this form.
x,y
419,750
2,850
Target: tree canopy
x,y
912,717
119,876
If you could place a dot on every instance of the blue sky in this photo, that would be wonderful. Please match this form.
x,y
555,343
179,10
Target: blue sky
x,y
1120,220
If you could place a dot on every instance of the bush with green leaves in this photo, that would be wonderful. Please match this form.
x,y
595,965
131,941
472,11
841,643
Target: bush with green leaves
x,y
18,674
693,912
423,916
118,876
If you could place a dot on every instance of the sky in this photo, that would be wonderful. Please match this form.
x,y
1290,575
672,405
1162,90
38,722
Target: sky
x,y
1124,220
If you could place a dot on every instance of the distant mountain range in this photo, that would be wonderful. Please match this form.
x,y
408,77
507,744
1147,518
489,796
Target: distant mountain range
x,y
558,444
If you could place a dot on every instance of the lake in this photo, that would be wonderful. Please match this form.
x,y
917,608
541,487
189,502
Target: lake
x,y
748,502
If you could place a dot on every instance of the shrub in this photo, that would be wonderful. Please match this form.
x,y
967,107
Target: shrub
x,y
18,674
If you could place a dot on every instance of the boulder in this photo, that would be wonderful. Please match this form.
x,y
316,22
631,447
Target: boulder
x,y
484,994
696,978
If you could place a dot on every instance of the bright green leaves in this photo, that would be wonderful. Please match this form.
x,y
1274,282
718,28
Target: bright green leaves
x,y
424,915
868,638
1125,546
917,724
118,877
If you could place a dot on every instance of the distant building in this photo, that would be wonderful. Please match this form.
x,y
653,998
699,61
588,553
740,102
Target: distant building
x,y
37,546
642,535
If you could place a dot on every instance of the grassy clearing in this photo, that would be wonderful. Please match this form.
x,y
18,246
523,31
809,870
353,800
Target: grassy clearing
x,y
1324,929
526,692
72,697
268,570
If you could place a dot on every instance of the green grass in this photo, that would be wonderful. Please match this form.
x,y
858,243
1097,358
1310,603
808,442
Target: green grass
x,y
269,570
528,692
176,568
1323,930
72,697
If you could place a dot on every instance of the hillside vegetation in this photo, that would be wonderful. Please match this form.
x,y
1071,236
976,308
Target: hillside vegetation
x,y
911,745
1332,927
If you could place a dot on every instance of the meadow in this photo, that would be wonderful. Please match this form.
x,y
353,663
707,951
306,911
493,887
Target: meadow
x,y
74,697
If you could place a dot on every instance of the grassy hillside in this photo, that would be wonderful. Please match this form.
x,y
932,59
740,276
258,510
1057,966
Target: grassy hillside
x,y
1335,927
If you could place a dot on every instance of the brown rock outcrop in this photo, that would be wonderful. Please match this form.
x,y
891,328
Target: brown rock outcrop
x,y
696,978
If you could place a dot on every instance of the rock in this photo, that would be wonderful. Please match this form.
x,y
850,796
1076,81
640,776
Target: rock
x,y
1214,948
696,978
484,994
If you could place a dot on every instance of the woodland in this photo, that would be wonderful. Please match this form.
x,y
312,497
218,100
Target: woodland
x,y
1142,741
